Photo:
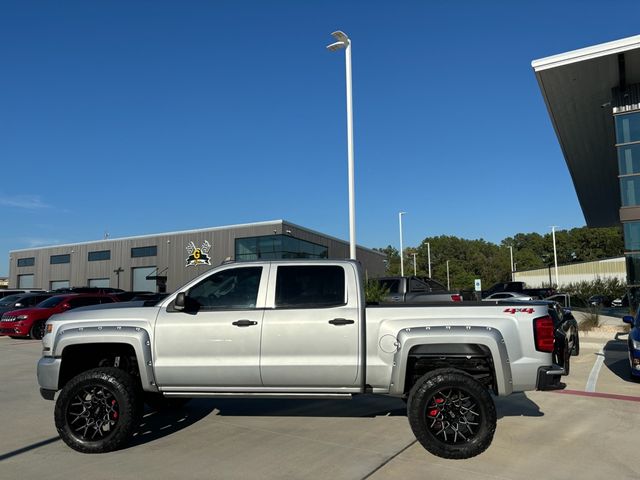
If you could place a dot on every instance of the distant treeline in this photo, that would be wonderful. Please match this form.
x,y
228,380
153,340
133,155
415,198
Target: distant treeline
x,y
471,259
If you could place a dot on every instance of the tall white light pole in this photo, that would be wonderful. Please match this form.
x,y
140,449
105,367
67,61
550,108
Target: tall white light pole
x,y
448,284
415,271
555,255
429,257
511,251
400,214
344,42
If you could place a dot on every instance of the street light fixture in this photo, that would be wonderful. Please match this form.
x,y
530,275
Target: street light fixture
x,y
400,214
343,42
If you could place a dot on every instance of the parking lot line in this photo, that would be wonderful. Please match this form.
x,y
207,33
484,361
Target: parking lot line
x,y
613,396
595,371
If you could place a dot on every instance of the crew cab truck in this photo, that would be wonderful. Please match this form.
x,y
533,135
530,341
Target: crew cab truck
x,y
294,329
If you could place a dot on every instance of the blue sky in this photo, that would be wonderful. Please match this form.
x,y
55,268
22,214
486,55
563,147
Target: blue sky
x,y
138,117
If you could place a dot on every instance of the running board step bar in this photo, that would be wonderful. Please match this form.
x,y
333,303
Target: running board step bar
x,y
317,396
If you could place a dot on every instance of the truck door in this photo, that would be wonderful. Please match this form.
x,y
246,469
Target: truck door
x,y
215,340
311,335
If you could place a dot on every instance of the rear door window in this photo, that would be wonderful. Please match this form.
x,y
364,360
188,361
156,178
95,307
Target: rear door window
x,y
300,286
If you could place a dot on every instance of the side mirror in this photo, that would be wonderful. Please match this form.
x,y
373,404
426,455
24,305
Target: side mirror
x,y
628,319
66,306
179,302
19,305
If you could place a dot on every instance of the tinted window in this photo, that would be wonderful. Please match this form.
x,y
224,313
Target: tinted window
x,y
100,255
26,262
501,295
307,286
417,286
83,301
51,302
10,300
392,286
232,288
144,251
55,259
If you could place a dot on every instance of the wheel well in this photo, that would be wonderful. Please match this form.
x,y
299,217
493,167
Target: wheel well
x,y
473,359
79,358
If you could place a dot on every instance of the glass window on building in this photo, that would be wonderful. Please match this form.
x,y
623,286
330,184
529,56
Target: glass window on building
x,y
99,282
630,190
25,281
26,262
58,284
633,269
627,128
270,247
139,280
56,259
632,236
99,255
629,159
151,251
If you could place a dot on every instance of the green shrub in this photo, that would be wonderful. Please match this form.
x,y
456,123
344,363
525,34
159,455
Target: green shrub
x,y
611,287
374,292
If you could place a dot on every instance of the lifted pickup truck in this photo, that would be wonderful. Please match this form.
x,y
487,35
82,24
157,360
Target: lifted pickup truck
x,y
294,329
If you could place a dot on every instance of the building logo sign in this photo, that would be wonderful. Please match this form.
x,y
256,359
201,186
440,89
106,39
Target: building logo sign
x,y
198,256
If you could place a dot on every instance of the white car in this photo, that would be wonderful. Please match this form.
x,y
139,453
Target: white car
x,y
507,296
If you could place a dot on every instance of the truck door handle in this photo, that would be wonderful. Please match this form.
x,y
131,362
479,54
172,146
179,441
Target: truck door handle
x,y
341,321
244,323
396,298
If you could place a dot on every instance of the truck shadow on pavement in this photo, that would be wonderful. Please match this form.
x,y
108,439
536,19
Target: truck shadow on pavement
x,y
159,424
616,357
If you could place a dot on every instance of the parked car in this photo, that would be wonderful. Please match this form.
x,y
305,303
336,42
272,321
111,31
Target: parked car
x,y
519,287
620,302
21,300
507,296
15,291
416,290
567,338
633,343
599,301
30,322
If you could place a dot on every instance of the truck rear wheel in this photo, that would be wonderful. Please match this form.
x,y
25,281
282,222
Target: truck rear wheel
x,y
451,414
97,410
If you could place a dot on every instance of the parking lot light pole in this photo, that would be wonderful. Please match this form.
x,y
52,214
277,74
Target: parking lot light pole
x,y
555,255
429,257
400,214
343,42
415,271
448,283
511,251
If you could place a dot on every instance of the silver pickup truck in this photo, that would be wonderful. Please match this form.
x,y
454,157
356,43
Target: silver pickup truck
x,y
294,329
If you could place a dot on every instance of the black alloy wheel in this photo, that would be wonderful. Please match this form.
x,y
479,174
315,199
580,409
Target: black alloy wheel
x,y
452,414
97,410
37,330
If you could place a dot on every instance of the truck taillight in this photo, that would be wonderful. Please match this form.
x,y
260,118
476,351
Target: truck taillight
x,y
456,297
543,333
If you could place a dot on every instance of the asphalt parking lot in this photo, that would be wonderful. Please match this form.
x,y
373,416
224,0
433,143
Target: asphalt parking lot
x,y
551,435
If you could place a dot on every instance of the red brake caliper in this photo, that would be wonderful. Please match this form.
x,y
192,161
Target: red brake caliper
x,y
434,412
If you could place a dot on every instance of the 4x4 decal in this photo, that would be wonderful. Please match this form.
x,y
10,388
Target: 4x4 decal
x,y
516,310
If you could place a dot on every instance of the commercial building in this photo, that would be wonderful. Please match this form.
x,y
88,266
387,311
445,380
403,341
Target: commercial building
x,y
593,99
166,261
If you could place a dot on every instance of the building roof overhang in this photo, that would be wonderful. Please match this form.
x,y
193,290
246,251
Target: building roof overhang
x,y
577,90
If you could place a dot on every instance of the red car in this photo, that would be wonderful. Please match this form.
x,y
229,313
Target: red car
x,y
30,322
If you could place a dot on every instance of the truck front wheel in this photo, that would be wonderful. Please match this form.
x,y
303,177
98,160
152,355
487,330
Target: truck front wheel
x,y
451,414
97,410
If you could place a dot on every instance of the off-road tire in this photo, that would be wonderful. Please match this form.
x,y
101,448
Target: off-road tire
x,y
446,400
157,401
89,399
37,330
